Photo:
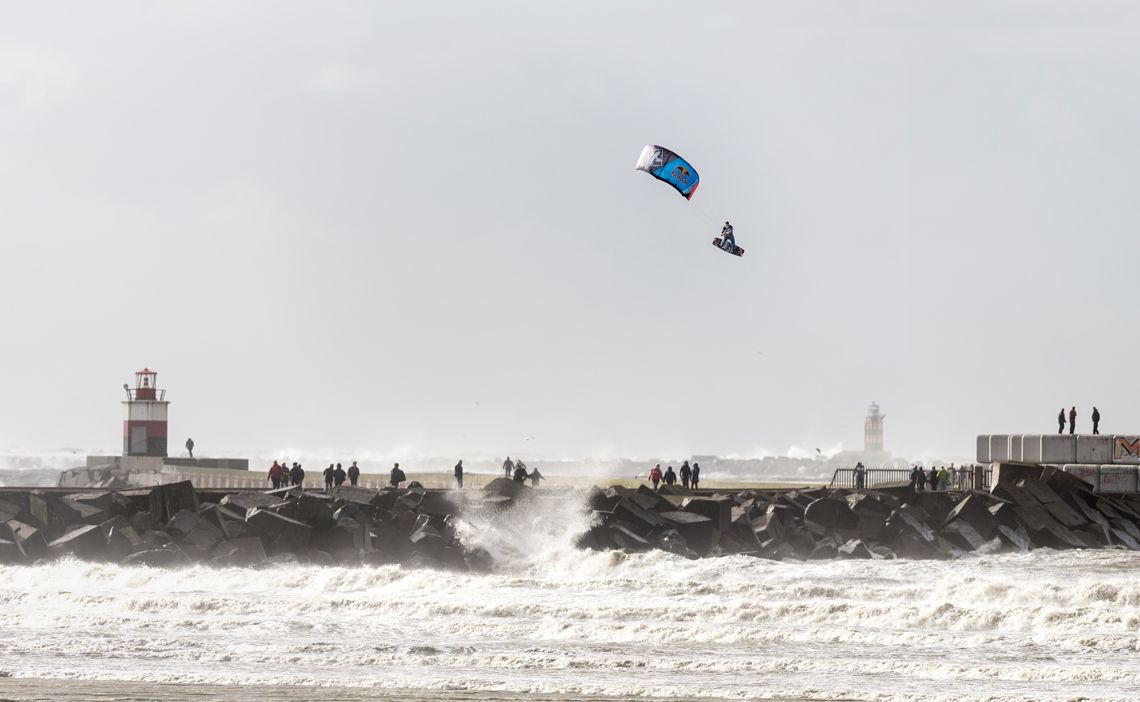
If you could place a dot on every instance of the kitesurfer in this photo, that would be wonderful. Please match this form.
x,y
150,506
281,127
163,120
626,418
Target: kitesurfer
x,y
727,239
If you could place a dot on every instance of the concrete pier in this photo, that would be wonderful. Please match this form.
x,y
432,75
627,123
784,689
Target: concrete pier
x,y
1110,463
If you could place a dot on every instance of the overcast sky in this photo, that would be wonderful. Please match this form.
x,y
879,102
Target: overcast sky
x,y
415,228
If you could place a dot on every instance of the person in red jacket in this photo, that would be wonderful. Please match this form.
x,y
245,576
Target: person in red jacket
x,y
276,473
655,476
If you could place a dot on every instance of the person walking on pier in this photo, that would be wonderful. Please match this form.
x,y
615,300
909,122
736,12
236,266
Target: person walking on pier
x,y
686,473
535,477
860,476
329,474
276,473
933,478
670,477
1061,421
396,476
190,446
1096,420
353,474
655,476
920,479
696,477
339,475
508,467
1073,420
459,474
942,478
297,475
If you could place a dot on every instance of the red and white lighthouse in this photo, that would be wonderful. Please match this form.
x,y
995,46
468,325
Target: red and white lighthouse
x,y
144,430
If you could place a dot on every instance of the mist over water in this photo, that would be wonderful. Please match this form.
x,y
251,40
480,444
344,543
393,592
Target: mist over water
x,y
556,621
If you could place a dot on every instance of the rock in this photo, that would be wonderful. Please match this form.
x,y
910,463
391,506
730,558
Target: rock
x,y
827,513
112,503
86,542
855,548
10,552
121,538
916,520
640,520
647,499
1013,472
670,540
28,539
697,530
963,534
626,540
277,532
1126,539
1064,483
602,500
973,509
505,487
717,508
191,528
247,551
50,513
356,495
1040,491
170,499
769,525
246,502
437,504
230,521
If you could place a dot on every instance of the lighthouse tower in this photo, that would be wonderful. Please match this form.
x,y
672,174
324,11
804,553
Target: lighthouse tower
x,y
144,430
873,430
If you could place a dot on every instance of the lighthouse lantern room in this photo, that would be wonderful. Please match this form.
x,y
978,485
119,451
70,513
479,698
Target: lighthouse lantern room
x,y
144,430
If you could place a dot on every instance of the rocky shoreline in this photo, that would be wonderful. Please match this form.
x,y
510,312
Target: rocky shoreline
x,y
175,524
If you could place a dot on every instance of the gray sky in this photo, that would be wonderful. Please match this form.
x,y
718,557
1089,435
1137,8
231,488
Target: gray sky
x,y
416,228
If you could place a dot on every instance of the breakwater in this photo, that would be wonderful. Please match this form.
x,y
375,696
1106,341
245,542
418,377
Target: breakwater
x,y
175,524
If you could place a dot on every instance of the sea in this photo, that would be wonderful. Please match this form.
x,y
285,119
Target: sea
x,y
551,622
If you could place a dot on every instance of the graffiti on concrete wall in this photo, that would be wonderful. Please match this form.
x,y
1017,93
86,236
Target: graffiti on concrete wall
x,y
1126,449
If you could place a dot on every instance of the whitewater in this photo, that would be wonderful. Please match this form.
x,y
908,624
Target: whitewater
x,y
559,623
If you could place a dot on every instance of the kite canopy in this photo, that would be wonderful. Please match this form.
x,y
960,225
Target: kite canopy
x,y
663,164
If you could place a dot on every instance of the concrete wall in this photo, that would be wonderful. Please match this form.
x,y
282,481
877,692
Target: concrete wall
x,y
1031,448
983,449
1015,444
1058,448
1094,449
1118,478
999,448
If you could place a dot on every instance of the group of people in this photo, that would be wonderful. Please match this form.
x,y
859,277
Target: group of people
x,y
1073,420
690,477
517,471
939,479
281,475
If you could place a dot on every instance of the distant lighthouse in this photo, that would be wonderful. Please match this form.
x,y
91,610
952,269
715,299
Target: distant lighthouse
x,y
873,430
144,430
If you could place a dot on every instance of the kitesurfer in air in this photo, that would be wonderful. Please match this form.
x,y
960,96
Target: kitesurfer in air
x,y
729,241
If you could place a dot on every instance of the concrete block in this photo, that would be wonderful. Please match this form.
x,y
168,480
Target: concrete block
x,y
1031,448
284,533
1094,450
983,449
698,530
83,542
831,514
1059,448
192,528
1126,449
999,448
1117,479
1089,474
28,538
1015,444
718,509
1013,472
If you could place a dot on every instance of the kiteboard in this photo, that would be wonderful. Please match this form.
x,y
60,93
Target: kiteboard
x,y
730,248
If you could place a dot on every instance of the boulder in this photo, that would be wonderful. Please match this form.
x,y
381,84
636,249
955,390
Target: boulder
x,y
28,539
697,530
10,552
1064,483
191,528
278,532
827,513
973,509
356,495
672,542
717,508
246,502
86,542
165,501
50,513
626,540
639,520
243,552
505,487
1013,472
437,504
854,548
916,520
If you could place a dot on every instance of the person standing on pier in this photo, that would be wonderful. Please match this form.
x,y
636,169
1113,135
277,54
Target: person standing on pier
x,y
933,479
459,474
339,475
1096,420
1061,421
297,475
670,477
920,479
535,477
508,468
696,478
329,474
190,446
353,474
686,473
942,479
1073,420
